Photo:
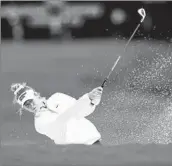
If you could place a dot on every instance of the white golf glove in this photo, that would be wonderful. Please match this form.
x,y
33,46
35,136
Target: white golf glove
x,y
95,95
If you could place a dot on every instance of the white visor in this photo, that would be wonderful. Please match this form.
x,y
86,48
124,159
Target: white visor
x,y
29,94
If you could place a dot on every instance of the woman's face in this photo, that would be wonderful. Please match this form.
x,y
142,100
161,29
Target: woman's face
x,y
30,105
34,105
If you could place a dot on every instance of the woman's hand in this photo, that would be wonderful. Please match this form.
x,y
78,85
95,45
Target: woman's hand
x,y
95,95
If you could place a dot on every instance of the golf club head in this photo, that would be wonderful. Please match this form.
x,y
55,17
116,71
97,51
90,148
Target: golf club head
x,y
142,12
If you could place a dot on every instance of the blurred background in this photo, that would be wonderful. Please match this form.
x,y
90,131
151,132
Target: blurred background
x,y
70,46
76,19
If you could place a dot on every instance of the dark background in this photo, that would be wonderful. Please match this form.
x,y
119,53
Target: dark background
x,y
158,19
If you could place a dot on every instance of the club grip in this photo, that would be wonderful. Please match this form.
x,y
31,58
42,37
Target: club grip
x,y
103,84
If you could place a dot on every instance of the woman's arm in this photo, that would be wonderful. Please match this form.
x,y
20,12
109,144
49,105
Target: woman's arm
x,y
84,106
66,107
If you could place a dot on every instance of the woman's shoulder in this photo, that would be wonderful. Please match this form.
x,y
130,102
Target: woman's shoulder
x,y
60,96
59,102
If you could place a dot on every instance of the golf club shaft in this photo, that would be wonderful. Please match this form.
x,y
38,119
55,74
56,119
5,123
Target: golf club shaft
x,y
106,79
132,36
